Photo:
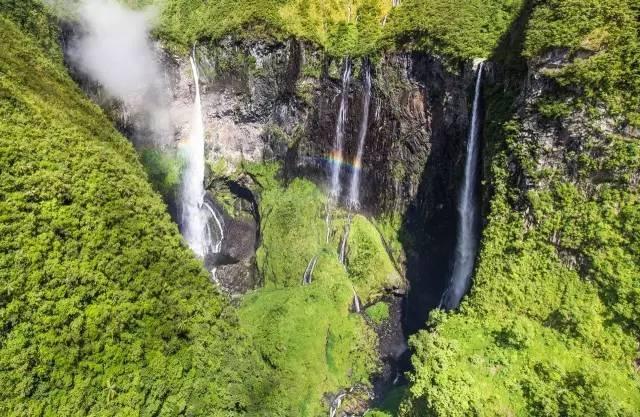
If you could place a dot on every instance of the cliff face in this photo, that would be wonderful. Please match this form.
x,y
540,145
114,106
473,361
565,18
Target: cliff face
x,y
266,102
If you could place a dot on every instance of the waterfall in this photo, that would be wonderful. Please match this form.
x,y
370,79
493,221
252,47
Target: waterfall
x,y
345,239
327,219
356,301
466,245
336,155
193,219
308,273
211,236
354,190
202,226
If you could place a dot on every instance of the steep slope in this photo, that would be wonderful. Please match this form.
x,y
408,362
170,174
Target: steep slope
x,y
103,310
550,327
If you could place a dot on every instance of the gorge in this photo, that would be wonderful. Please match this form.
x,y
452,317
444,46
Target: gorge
x,y
342,173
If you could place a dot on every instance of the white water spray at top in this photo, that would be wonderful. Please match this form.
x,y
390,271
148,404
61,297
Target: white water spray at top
x,y
336,155
354,189
466,245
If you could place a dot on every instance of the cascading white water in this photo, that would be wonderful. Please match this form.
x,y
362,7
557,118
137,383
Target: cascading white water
x,y
308,272
354,189
194,220
336,154
213,240
466,245
356,301
197,215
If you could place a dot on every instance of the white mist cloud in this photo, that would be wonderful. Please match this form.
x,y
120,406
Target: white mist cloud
x,y
114,49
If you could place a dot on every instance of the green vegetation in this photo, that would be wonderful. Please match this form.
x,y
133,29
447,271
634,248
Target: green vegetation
x,y
292,232
341,27
601,37
458,29
391,231
103,310
378,313
455,29
368,264
31,17
306,333
310,340
538,336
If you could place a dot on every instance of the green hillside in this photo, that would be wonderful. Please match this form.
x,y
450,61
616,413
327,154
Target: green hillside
x,y
103,310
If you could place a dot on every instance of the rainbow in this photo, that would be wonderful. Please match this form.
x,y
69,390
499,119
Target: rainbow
x,y
335,158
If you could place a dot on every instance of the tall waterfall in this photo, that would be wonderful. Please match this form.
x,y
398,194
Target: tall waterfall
x,y
354,190
466,245
336,155
202,226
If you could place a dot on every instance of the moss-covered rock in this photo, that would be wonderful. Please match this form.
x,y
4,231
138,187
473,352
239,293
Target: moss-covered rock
x,y
368,263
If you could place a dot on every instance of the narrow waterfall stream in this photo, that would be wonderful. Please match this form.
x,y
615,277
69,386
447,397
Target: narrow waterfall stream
x,y
214,237
466,245
336,155
357,305
201,224
354,189
307,277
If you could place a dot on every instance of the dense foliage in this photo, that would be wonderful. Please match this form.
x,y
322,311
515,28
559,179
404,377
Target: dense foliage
x,y
341,27
103,310
368,263
601,39
460,29
310,339
456,29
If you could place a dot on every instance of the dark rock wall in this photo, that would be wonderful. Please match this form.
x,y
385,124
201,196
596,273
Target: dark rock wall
x,y
417,125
